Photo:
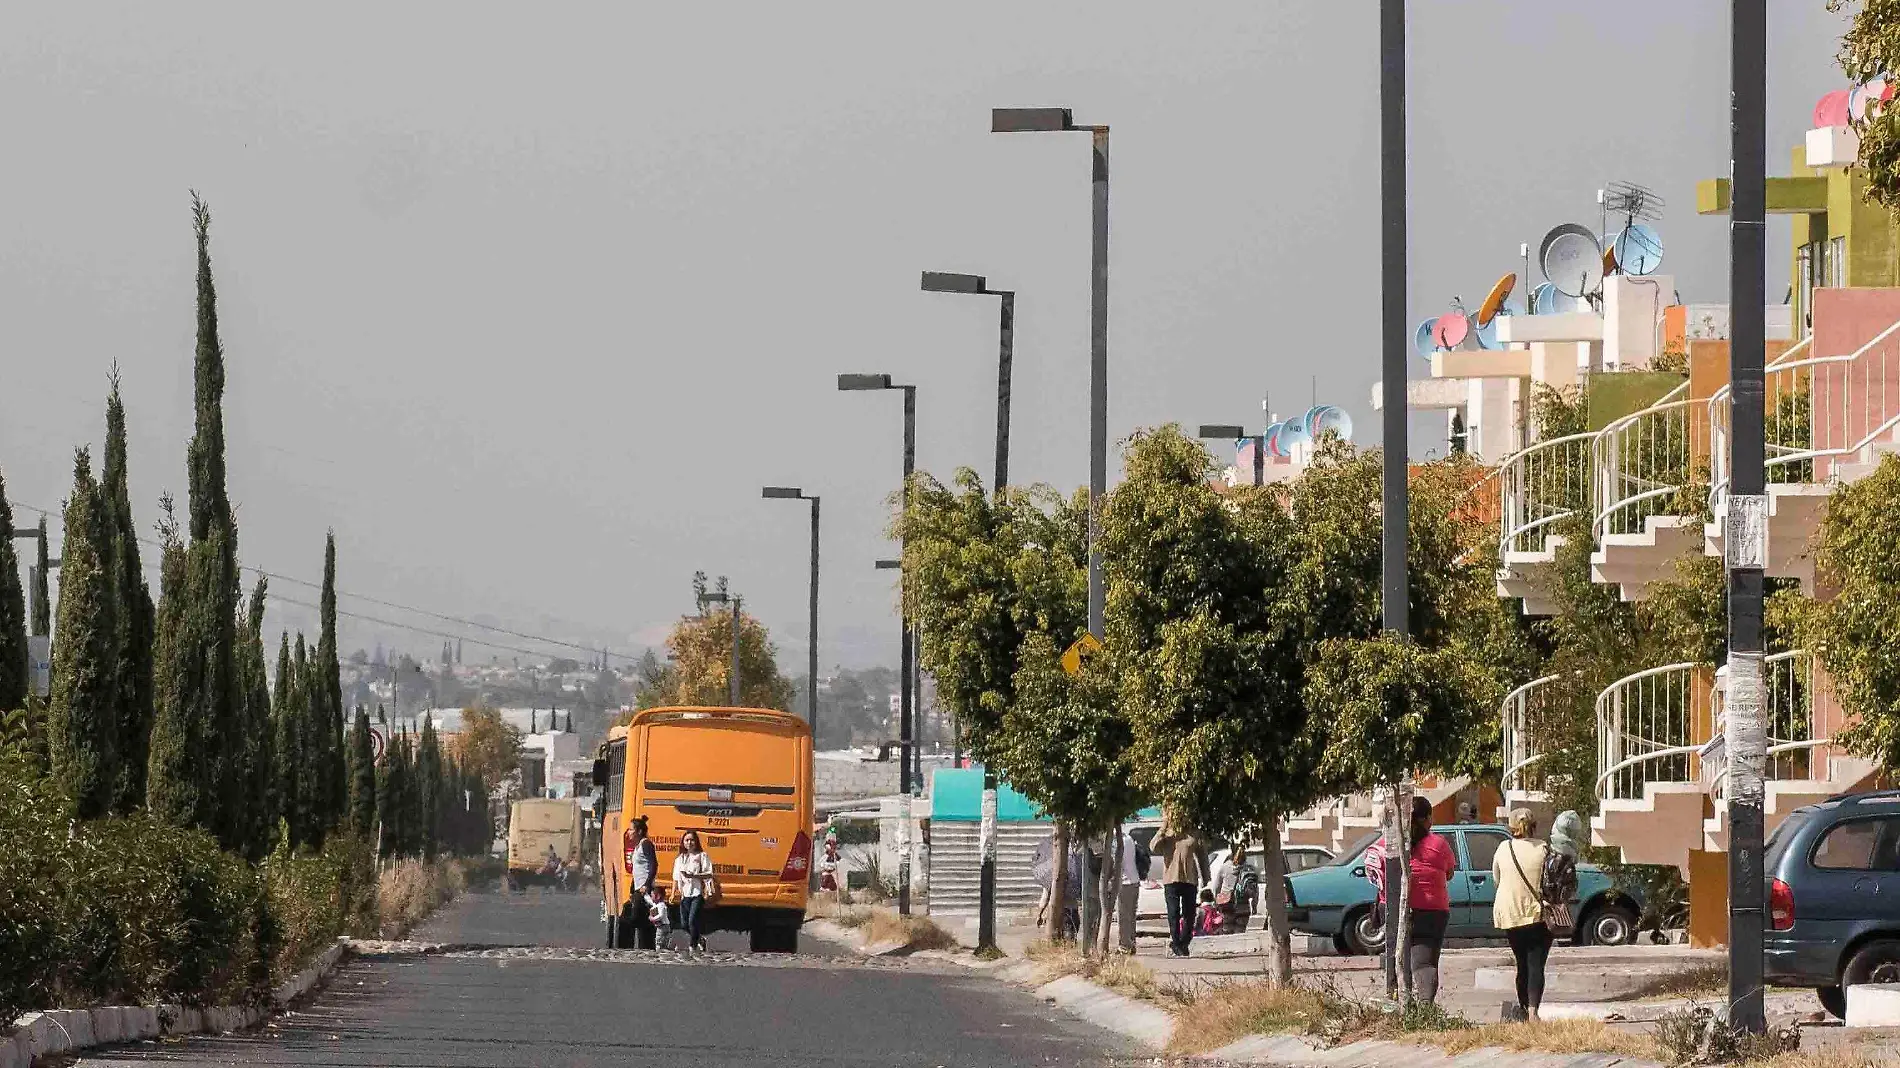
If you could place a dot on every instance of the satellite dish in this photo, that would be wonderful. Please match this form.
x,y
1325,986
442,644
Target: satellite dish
x,y
1494,301
1546,300
1422,339
1639,249
1292,436
1572,259
1270,440
1488,335
1450,329
1865,101
1831,110
1325,419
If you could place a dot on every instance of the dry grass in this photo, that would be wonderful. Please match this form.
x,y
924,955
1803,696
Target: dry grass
x,y
877,924
1228,1013
1833,1057
1547,1036
409,890
1704,982
1119,972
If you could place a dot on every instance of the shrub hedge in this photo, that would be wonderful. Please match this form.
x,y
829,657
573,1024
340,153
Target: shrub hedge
x,y
133,909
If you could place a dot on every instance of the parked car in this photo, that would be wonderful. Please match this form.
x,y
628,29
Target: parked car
x,y
1151,903
1337,900
1833,873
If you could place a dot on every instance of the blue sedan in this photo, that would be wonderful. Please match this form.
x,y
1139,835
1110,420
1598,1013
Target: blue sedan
x,y
1336,900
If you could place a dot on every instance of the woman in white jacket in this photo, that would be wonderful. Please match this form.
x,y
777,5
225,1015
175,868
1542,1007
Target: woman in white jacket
x,y
692,876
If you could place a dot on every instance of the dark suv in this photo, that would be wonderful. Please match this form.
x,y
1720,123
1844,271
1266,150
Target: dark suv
x,y
1834,896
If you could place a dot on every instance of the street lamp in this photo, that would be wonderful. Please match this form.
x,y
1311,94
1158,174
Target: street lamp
x,y
722,597
1228,431
881,382
793,493
903,758
943,282
1052,120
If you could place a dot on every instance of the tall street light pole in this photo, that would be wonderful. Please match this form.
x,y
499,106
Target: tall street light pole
x,y
904,739
941,282
1044,120
1745,540
1227,431
1393,514
793,493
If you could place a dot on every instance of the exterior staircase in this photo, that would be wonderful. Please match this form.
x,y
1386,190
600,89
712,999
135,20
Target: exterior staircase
x,y
1639,465
1538,487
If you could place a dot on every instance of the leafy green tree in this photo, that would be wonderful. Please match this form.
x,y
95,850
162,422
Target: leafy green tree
x,y
13,667
488,743
701,671
82,721
42,621
1856,632
330,687
362,750
1870,49
133,621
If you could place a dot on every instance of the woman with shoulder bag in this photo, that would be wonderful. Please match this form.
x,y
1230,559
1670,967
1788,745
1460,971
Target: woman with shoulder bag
x,y
1517,872
693,881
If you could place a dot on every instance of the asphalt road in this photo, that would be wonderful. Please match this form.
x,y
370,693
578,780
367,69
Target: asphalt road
x,y
534,987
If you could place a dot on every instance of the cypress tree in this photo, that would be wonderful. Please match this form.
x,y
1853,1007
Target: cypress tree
x,y
330,685
42,622
431,796
310,738
82,726
132,633
394,795
177,787
13,673
212,691
259,731
286,752
362,761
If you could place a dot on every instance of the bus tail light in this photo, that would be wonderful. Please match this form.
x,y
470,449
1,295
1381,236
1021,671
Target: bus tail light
x,y
1780,906
798,861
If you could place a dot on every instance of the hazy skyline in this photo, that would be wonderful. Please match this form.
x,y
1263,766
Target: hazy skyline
x,y
527,303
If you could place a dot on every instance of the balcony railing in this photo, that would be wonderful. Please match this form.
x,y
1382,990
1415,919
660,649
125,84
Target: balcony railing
x,y
1817,411
1538,487
1524,715
1794,736
1646,728
1641,463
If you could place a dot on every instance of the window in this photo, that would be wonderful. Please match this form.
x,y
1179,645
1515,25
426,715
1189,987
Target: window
x,y
1859,845
1482,847
1834,272
616,773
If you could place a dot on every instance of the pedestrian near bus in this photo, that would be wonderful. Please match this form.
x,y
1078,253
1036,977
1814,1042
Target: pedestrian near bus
x,y
1517,871
643,867
693,881
1184,871
1432,862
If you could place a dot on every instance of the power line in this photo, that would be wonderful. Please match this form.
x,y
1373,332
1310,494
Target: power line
x,y
459,621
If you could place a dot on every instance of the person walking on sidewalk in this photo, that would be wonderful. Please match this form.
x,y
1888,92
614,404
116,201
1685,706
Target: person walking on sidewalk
x,y
1134,869
1184,871
1432,862
1517,871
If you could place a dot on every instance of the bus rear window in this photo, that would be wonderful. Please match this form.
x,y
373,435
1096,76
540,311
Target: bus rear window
x,y
706,754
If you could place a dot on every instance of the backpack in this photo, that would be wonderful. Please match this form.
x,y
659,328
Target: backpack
x,y
1246,887
1143,861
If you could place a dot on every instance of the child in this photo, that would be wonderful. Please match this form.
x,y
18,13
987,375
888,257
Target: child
x,y
661,919
1209,920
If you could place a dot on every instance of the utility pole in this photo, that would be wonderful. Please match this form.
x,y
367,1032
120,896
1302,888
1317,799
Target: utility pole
x,y
1745,539
1392,229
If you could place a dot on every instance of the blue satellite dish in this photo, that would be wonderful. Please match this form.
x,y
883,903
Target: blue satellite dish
x,y
1422,339
1639,249
1546,300
1327,418
1488,335
1292,435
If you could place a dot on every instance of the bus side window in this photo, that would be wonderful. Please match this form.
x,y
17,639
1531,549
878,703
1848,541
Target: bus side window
x,y
616,774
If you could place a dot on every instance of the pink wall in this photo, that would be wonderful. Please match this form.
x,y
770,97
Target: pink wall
x,y
1848,400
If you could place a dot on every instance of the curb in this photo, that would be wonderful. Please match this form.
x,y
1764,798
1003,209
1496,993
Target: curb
x,y
1296,1051
55,1031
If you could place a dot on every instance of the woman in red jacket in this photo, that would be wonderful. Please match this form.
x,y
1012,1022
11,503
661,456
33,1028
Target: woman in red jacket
x,y
1433,861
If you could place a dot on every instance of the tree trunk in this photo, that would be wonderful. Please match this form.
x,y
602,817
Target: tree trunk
x,y
1393,876
1058,882
1279,930
1111,885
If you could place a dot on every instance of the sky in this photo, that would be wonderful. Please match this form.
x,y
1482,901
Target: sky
x,y
527,302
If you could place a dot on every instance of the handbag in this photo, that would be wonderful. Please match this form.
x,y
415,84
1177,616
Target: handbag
x,y
713,889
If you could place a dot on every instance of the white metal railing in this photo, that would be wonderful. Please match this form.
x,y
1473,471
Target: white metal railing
x,y
1523,716
1539,486
1817,411
1789,690
1645,728
1640,463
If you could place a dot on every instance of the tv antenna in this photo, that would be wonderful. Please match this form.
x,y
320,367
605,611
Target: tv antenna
x,y
1634,202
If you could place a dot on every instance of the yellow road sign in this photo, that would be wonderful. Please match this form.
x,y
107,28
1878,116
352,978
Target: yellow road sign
x,y
1084,646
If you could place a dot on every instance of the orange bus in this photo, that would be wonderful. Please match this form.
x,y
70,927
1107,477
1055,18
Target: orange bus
x,y
741,777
